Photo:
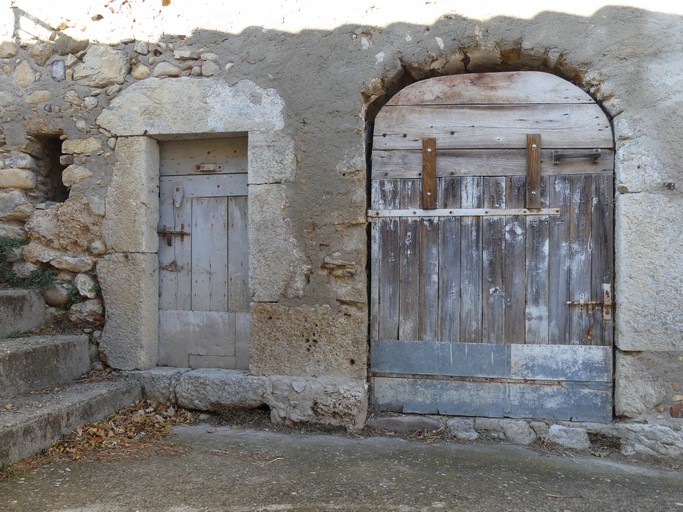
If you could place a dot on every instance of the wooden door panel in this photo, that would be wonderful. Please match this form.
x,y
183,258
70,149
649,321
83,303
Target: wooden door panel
x,y
181,157
448,196
203,254
514,274
387,256
196,333
537,263
470,262
493,262
210,254
515,263
523,282
175,260
409,310
602,248
493,399
492,126
238,255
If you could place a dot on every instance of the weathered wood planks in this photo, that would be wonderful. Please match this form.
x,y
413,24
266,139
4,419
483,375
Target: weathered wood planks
x,y
181,157
204,274
489,162
204,186
495,278
492,126
475,319
492,88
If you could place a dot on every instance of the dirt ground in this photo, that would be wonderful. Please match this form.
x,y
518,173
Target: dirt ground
x,y
152,457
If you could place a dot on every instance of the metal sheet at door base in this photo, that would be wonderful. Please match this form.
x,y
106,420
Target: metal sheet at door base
x,y
517,361
561,382
490,399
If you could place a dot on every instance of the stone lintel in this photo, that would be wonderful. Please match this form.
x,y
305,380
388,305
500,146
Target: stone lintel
x,y
208,107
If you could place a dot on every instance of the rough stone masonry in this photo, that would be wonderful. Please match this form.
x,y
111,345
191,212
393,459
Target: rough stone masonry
x,y
86,92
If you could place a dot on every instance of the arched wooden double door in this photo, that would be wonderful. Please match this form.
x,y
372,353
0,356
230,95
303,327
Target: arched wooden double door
x,y
492,249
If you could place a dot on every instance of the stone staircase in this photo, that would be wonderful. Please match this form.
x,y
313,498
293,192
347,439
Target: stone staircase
x,y
40,397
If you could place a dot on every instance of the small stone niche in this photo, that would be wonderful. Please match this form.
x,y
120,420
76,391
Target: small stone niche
x,y
52,169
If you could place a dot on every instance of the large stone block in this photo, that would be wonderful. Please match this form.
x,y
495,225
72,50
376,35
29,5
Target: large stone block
x,y
272,158
70,226
159,383
20,311
649,244
14,205
305,340
212,389
646,384
82,146
292,399
145,108
102,66
569,437
277,265
130,285
650,440
325,400
132,208
17,178
38,362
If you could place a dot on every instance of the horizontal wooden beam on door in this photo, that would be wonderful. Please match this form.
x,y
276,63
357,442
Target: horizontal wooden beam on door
x,y
491,126
395,164
462,212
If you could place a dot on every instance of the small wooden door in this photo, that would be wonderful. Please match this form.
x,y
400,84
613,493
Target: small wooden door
x,y
203,254
492,249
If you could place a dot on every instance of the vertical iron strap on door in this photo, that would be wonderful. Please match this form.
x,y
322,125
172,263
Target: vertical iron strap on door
x,y
429,174
533,171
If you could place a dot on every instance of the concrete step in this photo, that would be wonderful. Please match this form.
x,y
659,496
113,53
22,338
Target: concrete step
x,y
20,311
30,423
37,362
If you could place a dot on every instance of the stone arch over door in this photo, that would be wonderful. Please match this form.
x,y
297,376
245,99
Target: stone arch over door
x,y
174,109
492,249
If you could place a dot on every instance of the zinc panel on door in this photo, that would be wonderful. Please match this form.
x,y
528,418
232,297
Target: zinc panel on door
x,y
203,255
447,282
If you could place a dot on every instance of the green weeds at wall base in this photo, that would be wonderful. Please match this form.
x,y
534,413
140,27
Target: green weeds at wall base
x,y
39,278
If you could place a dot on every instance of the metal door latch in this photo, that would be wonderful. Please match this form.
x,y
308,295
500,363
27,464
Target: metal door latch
x,y
168,233
206,167
606,303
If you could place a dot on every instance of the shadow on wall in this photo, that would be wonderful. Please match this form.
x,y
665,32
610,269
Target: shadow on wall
x,y
320,73
620,55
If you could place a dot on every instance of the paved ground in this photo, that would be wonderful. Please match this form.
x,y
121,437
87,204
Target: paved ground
x,y
221,469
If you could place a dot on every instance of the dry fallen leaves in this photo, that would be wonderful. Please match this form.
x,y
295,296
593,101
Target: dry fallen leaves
x,y
142,425
126,434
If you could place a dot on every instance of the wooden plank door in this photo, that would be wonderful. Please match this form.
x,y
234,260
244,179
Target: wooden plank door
x,y
494,299
203,255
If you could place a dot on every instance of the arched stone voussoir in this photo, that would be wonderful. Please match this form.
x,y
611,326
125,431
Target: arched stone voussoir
x,y
182,106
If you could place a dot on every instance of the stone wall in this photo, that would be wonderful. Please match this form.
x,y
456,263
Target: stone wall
x,y
109,78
